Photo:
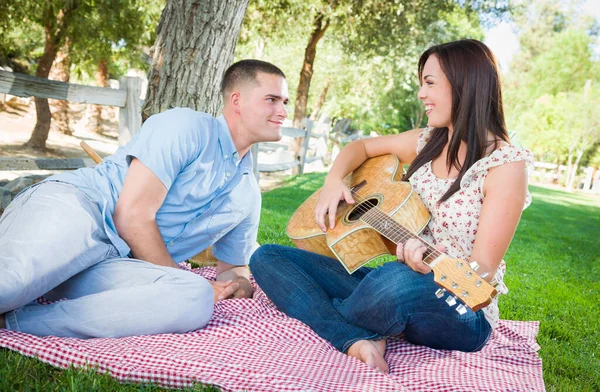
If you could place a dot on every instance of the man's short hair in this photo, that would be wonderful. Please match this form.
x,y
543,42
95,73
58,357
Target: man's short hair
x,y
245,71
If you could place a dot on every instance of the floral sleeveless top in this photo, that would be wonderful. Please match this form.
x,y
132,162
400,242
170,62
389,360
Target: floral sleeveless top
x,y
454,222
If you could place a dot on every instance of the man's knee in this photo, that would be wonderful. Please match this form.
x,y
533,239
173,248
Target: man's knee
x,y
196,306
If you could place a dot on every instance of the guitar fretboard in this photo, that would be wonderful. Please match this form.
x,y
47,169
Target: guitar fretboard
x,y
395,232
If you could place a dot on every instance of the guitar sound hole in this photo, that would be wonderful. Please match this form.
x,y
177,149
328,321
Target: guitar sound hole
x,y
362,208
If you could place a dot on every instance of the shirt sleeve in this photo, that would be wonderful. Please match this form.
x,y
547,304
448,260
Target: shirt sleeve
x,y
167,143
239,244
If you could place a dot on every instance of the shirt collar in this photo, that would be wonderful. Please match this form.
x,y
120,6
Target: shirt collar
x,y
228,149
225,141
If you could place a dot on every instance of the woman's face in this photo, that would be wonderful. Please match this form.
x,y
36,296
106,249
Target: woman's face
x,y
436,94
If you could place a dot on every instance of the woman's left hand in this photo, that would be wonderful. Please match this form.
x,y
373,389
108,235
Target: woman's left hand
x,y
411,253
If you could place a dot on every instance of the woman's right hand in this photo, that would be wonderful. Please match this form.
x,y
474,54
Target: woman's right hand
x,y
333,191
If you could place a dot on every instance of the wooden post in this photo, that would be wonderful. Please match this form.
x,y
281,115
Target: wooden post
x,y
130,116
254,151
304,148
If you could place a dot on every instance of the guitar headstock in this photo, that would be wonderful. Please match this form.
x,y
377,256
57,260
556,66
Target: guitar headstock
x,y
459,278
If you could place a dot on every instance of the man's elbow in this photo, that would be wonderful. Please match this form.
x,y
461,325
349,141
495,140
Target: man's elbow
x,y
130,218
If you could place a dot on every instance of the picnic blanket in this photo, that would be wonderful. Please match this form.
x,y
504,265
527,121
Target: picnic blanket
x,y
250,346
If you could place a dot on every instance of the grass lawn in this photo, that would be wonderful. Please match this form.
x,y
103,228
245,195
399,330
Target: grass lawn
x,y
553,269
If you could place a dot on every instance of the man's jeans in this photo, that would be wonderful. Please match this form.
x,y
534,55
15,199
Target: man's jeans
x,y
53,243
369,304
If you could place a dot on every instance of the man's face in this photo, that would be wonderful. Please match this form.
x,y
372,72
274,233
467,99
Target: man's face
x,y
263,107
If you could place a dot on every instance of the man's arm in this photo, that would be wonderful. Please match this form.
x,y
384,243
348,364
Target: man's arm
x,y
135,215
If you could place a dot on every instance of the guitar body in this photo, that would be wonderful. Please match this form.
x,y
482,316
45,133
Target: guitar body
x,y
352,241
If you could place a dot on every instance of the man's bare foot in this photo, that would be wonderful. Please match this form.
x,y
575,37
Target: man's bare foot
x,y
2,321
370,352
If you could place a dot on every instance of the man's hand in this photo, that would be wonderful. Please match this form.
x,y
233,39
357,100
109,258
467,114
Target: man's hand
x,y
237,280
218,288
239,287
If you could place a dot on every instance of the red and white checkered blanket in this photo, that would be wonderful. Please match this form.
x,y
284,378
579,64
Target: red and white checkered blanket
x,y
250,346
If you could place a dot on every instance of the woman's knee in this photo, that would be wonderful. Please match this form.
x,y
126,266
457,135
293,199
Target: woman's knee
x,y
264,257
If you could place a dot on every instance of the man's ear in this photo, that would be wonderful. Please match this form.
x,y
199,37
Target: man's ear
x,y
234,101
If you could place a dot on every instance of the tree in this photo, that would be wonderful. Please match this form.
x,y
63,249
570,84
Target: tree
x,y
367,52
61,70
55,17
556,113
107,47
189,61
78,20
562,128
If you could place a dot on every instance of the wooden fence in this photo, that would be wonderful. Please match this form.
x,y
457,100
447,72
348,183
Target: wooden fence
x,y
127,99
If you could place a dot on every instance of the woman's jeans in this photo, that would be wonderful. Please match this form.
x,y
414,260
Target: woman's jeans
x,y
53,243
369,304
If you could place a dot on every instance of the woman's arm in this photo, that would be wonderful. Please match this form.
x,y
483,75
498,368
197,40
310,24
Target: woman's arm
x,y
404,146
505,192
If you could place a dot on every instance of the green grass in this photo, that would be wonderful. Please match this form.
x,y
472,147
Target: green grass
x,y
553,267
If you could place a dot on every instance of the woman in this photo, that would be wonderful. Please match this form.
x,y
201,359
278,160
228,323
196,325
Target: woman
x,y
473,181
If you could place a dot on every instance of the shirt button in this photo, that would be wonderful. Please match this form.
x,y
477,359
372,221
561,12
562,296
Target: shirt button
x,y
227,174
226,156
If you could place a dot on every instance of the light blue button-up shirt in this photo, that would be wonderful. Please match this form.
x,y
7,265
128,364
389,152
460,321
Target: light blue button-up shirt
x,y
212,199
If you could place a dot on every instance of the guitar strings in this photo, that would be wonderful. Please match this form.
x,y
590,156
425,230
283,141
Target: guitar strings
x,y
364,203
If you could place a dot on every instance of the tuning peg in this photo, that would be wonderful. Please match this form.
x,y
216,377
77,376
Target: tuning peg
x,y
440,293
494,283
484,275
461,309
474,265
451,301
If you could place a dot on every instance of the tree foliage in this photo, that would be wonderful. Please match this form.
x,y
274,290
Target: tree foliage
x,y
96,29
367,56
553,83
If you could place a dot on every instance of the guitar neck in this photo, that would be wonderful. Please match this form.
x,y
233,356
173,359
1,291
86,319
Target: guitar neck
x,y
398,234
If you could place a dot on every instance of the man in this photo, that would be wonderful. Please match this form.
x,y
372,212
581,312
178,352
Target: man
x,y
109,238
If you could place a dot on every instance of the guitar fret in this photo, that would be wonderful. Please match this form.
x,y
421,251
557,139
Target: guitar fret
x,y
394,231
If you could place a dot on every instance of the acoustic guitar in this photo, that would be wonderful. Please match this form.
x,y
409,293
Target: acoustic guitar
x,y
386,212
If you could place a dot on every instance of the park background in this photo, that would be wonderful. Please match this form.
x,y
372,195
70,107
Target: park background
x,y
351,68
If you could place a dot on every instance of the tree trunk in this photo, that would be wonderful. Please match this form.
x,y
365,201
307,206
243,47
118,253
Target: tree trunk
x,y
61,70
574,170
94,114
195,42
55,31
307,68
304,83
321,101
569,167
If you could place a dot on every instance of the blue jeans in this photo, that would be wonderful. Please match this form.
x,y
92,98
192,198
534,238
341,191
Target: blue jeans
x,y
53,243
369,304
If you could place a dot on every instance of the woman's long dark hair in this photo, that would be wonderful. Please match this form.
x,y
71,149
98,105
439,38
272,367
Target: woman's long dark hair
x,y
472,71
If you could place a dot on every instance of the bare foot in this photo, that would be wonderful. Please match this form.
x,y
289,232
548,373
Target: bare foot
x,y
370,352
2,321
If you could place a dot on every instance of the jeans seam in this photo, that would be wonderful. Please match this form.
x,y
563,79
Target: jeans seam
x,y
11,321
18,207
480,344
483,339
350,342
347,344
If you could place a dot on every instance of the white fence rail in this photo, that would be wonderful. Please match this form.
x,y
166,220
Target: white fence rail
x,y
127,99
